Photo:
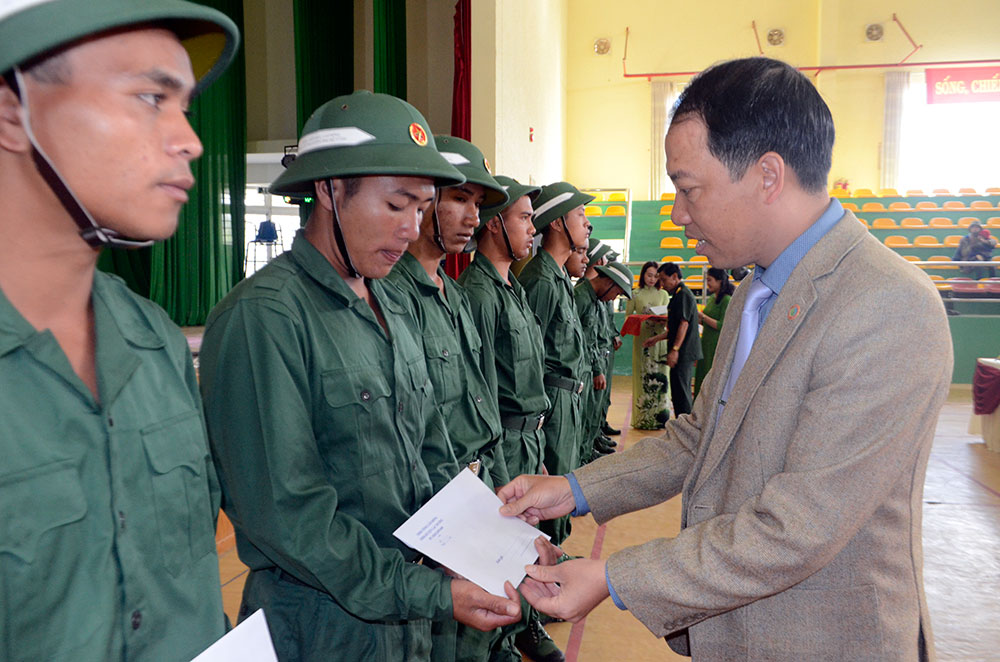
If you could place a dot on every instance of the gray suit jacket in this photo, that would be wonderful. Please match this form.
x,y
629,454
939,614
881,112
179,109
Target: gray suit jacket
x,y
801,516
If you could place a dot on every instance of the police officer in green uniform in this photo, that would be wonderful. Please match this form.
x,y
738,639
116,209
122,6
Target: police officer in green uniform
x,y
513,358
452,347
108,496
319,407
564,228
591,293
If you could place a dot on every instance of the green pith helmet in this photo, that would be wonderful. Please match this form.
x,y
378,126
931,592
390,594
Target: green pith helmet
x,y
31,28
515,191
620,275
365,134
555,200
469,161
596,249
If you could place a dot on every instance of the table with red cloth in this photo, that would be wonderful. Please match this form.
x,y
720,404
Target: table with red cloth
x,y
986,400
633,323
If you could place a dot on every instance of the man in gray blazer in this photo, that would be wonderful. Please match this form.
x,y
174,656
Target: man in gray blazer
x,y
802,468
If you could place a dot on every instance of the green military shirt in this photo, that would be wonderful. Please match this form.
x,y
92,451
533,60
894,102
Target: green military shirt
x,y
107,509
592,323
549,292
326,438
684,307
512,340
452,347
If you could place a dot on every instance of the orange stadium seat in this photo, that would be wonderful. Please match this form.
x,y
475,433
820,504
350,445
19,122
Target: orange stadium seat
x,y
897,241
692,243
862,221
883,224
850,205
873,206
666,209
968,191
941,222
669,226
944,287
952,240
839,193
695,282
672,258
941,258
863,193
598,196
941,191
954,204
926,204
926,241
912,222
993,222
666,196
888,193
617,196
915,193
615,210
980,204
671,242
899,206
911,258
966,221
592,210
993,191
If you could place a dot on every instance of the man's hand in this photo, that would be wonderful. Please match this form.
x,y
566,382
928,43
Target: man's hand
x,y
484,611
617,343
536,498
548,554
672,357
569,590
600,383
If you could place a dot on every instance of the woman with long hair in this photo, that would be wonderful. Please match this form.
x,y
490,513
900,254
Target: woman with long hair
x,y
650,408
711,318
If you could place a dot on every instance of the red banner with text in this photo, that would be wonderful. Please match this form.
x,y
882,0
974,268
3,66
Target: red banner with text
x,y
963,85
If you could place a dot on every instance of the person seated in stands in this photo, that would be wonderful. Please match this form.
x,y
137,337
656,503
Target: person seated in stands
x,y
977,246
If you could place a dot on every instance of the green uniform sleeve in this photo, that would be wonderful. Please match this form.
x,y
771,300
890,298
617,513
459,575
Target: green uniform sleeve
x,y
587,311
259,419
485,313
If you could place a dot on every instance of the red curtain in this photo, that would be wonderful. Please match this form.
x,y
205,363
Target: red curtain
x,y
461,103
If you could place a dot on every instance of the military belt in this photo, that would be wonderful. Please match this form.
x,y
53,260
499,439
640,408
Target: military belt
x,y
523,423
564,383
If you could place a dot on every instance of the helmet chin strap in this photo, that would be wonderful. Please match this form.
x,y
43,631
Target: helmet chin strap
x,y
91,232
569,235
438,238
506,237
338,233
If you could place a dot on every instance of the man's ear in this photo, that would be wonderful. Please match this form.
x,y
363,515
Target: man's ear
x,y
493,225
13,137
324,196
772,176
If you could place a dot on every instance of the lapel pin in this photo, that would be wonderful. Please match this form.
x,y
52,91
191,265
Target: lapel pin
x,y
793,312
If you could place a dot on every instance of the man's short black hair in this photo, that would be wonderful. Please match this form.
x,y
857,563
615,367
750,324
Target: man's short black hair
x,y
669,269
758,105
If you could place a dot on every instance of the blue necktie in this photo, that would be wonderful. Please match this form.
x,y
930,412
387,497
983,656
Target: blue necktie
x,y
749,321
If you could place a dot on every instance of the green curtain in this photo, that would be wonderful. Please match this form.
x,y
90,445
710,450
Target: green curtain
x,y
324,53
193,270
389,19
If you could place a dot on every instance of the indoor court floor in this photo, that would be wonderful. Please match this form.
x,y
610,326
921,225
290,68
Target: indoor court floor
x,y
961,550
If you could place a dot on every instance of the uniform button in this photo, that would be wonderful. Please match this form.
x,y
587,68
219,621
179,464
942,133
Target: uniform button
x,y
478,399
445,353
366,395
111,422
400,408
136,619
121,519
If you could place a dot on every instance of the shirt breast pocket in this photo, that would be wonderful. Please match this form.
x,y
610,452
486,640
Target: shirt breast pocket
x,y
35,502
177,454
358,397
443,356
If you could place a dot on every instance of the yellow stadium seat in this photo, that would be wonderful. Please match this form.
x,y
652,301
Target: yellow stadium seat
x,y
952,240
897,241
911,258
912,222
954,204
980,204
941,191
615,210
941,222
617,196
926,204
598,196
850,205
672,258
873,206
966,221
671,242
941,258
938,283
695,282
883,224
863,193
994,222
967,191
839,193
888,193
915,193
899,206
692,243
666,209
926,241
592,210
698,258
666,196
668,226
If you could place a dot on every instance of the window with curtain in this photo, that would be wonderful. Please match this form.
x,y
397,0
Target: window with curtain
x,y
664,95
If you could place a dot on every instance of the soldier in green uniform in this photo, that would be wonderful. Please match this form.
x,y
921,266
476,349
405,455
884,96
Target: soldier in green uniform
x,y
601,285
564,227
320,411
513,358
108,496
452,347
613,336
